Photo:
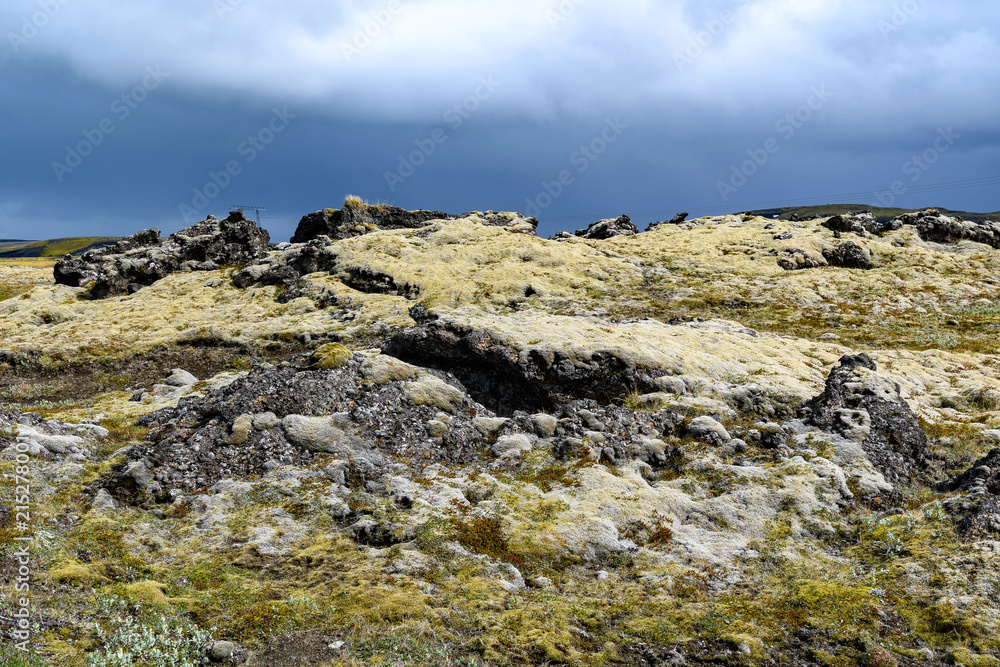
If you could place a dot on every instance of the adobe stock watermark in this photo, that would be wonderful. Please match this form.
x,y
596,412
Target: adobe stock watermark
x,y
32,25
563,12
122,107
21,578
901,14
712,29
582,158
455,116
248,149
918,165
786,126
365,32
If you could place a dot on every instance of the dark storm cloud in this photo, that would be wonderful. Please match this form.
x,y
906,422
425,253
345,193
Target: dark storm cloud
x,y
718,106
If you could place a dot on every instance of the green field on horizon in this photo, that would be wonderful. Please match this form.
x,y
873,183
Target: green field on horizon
x,y
54,247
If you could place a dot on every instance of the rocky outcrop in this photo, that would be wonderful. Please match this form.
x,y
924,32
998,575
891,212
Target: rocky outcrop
x,y
848,255
505,379
861,223
357,218
863,405
144,258
978,508
796,259
933,226
611,227
359,413
362,415
288,264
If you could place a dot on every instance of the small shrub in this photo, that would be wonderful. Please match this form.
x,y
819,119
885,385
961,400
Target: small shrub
x,y
129,641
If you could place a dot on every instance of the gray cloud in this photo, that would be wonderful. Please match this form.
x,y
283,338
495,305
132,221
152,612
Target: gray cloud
x,y
703,86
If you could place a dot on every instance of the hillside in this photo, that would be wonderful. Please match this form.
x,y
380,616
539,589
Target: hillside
x,y
417,440
54,247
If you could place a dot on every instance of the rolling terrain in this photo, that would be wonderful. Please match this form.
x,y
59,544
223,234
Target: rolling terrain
x,y
417,440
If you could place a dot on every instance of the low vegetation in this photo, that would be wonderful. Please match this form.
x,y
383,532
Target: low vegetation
x,y
735,553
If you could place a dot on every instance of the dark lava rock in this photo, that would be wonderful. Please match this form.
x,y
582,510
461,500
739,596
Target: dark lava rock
x,y
286,267
195,445
849,255
356,219
932,226
978,510
862,223
505,379
622,431
81,271
365,422
896,445
606,229
144,258
796,259
366,280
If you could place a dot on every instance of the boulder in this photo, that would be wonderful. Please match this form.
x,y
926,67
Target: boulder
x,y
606,229
848,255
103,502
708,429
333,434
144,258
180,378
513,445
860,404
862,223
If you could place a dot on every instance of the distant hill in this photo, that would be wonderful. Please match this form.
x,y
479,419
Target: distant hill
x,y
10,244
54,247
883,214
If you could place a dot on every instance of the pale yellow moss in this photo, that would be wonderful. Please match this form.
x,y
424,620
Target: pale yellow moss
x,y
429,390
72,572
966,658
150,592
331,355
381,369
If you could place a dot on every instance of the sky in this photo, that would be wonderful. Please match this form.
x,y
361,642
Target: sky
x,y
122,115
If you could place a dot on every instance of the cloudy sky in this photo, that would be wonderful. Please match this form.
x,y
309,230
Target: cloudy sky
x,y
120,115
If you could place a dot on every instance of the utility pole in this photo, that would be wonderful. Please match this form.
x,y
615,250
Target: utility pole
x,y
248,207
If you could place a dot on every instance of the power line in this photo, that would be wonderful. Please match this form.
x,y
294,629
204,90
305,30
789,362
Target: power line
x,y
248,207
